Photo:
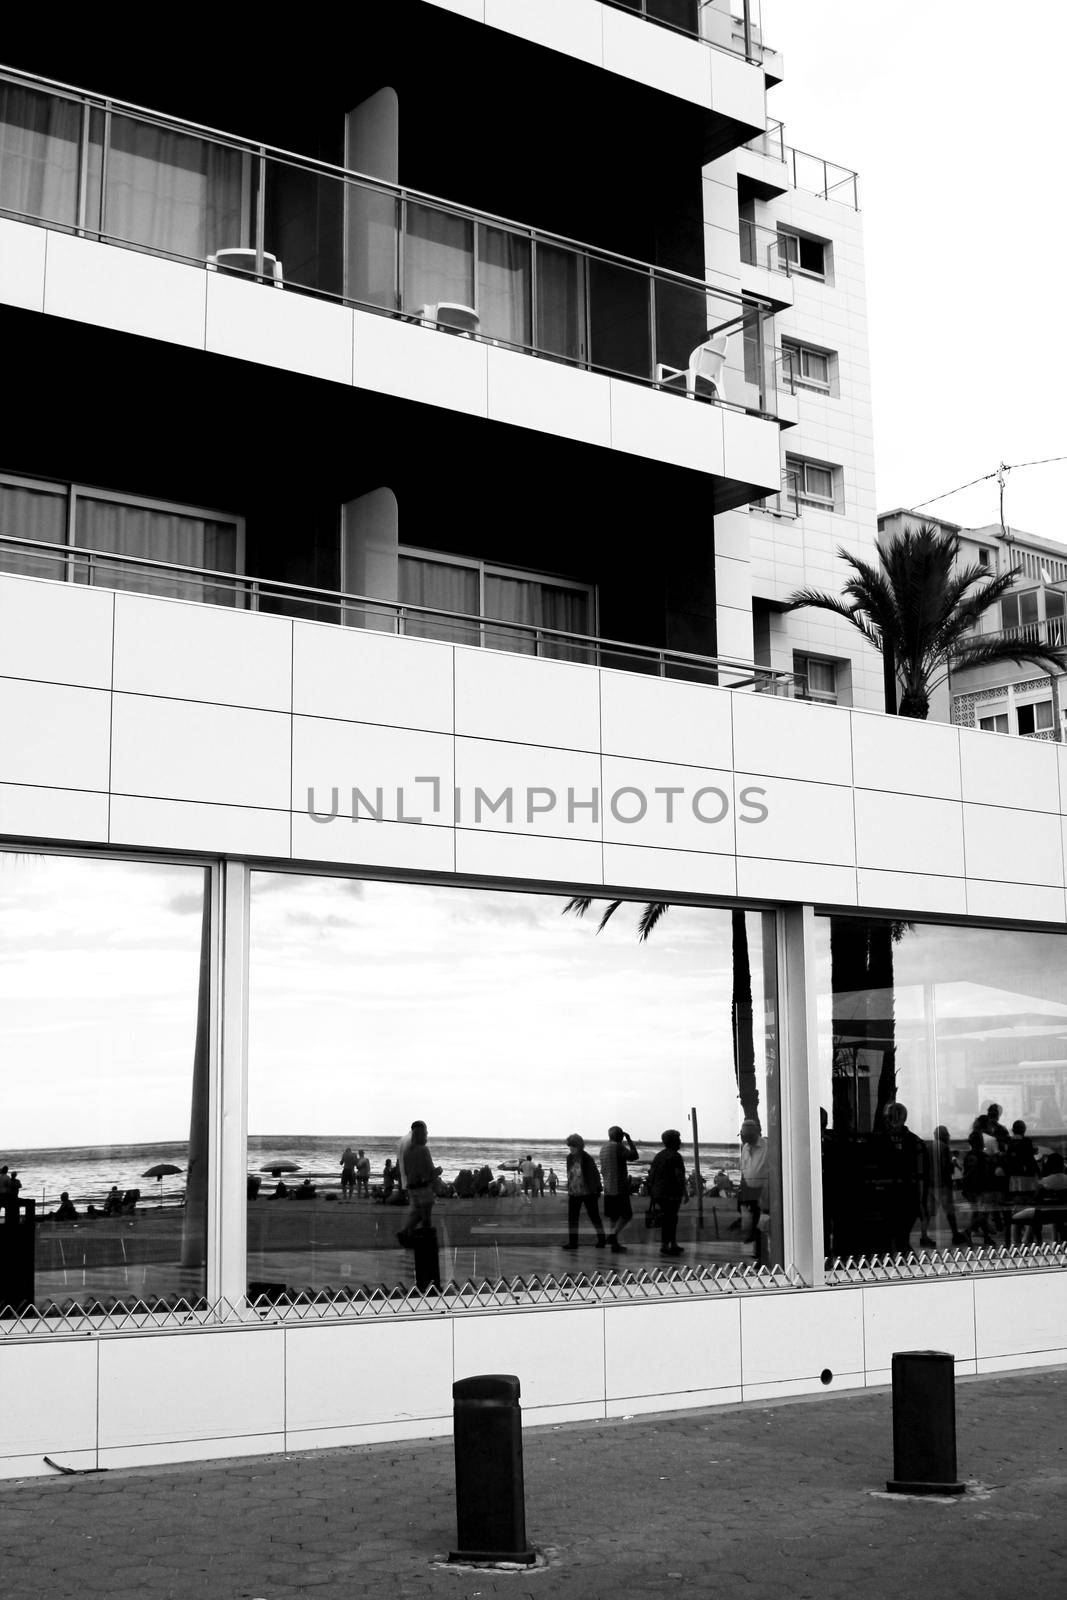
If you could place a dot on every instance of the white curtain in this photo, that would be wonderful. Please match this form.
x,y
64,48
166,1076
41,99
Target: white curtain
x,y
32,514
139,531
39,138
504,305
445,587
438,258
175,193
536,605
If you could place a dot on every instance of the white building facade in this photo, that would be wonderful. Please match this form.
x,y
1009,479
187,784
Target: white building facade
x,y
378,574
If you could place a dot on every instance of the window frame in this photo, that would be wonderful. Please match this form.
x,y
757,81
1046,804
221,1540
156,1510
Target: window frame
x,y
798,467
798,354
492,569
798,238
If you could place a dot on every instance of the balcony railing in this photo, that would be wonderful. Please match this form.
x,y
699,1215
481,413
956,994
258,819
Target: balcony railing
x,y
37,558
1049,631
812,174
706,21
786,503
108,171
762,247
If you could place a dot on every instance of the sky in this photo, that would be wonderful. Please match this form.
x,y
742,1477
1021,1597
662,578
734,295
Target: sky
x,y
952,113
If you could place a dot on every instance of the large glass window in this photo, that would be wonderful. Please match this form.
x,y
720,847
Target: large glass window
x,y
943,1059
505,1024
533,609
104,1037
39,140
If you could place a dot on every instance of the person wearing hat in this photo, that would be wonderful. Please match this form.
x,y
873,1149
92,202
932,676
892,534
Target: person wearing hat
x,y
667,1189
583,1190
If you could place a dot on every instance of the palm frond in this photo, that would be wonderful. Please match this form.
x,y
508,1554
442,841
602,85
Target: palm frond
x,y
650,916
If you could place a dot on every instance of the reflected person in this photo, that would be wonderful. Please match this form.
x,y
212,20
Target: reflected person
x,y
614,1156
583,1190
667,1189
417,1176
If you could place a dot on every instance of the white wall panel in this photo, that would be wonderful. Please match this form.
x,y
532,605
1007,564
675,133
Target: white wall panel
x,y
661,719
1028,779
495,768
792,739
256,322
786,1337
1013,846
124,289
367,1373
912,891
660,871
53,813
751,449
330,755
411,847
417,363
202,652
666,427
571,26
22,264
804,822
52,735
181,1386
697,814
939,1316
55,632
550,397
906,756
665,1349
514,855
181,750
523,698
192,825
65,1375
909,833
796,880
1021,1313
1027,901
355,675
737,89
666,61
557,1356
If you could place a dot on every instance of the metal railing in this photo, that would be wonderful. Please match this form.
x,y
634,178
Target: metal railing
x,y
761,247
113,172
812,174
35,558
1049,631
786,503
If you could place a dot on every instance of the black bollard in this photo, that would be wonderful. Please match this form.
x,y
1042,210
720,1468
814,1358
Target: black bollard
x,y
427,1259
490,1498
18,1248
924,1424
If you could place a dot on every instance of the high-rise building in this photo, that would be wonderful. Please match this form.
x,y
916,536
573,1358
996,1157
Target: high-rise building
x,y
416,426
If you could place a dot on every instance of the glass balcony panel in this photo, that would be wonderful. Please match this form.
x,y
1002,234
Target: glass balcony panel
x,y
560,303
174,193
40,136
140,532
681,326
304,227
371,240
680,14
440,586
32,514
536,606
504,302
438,258
619,319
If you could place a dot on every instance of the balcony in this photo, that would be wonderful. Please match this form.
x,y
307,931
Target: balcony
x,y
710,22
107,171
35,558
811,174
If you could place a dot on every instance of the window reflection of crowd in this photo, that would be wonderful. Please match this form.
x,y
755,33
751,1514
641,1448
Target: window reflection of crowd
x,y
891,1192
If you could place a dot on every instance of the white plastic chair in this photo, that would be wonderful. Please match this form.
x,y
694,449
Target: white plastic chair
x,y
707,361
238,258
451,315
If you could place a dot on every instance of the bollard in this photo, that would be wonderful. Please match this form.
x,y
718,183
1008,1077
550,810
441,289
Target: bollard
x,y
427,1259
924,1424
490,1499
18,1245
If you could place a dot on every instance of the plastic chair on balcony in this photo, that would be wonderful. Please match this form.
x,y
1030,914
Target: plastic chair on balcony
x,y
451,315
242,261
707,361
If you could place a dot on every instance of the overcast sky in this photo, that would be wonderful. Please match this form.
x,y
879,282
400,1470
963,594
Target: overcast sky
x,y
952,112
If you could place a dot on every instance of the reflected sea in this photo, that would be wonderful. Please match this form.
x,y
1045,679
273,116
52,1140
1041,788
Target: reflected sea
x,y
88,1173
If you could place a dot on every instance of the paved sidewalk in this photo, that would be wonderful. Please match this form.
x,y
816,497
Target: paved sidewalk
x,y
779,1500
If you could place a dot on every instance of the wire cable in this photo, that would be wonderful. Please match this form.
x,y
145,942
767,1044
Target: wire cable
x,y
1004,467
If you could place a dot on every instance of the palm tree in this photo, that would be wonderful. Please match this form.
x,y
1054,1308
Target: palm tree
x,y
917,607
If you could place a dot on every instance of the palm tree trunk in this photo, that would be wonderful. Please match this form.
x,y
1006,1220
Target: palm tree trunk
x,y
889,676
744,1045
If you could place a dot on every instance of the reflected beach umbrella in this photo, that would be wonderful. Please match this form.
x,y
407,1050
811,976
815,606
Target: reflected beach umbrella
x,y
161,1170
276,1168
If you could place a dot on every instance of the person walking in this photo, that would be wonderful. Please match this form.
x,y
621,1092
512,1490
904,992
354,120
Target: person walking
x,y
667,1189
614,1156
583,1190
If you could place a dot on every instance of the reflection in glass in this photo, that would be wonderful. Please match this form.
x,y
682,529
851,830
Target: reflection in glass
x,y
39,142
173,192
943,1052
104,1009
438,258
505,1026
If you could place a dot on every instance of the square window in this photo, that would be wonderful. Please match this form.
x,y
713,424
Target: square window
x,y
997,723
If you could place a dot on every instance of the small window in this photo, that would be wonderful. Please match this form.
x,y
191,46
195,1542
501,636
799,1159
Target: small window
x,y
1054,604
816,483
805,367
816,680
1018,610
983,558
799,253
998,723
1036,718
